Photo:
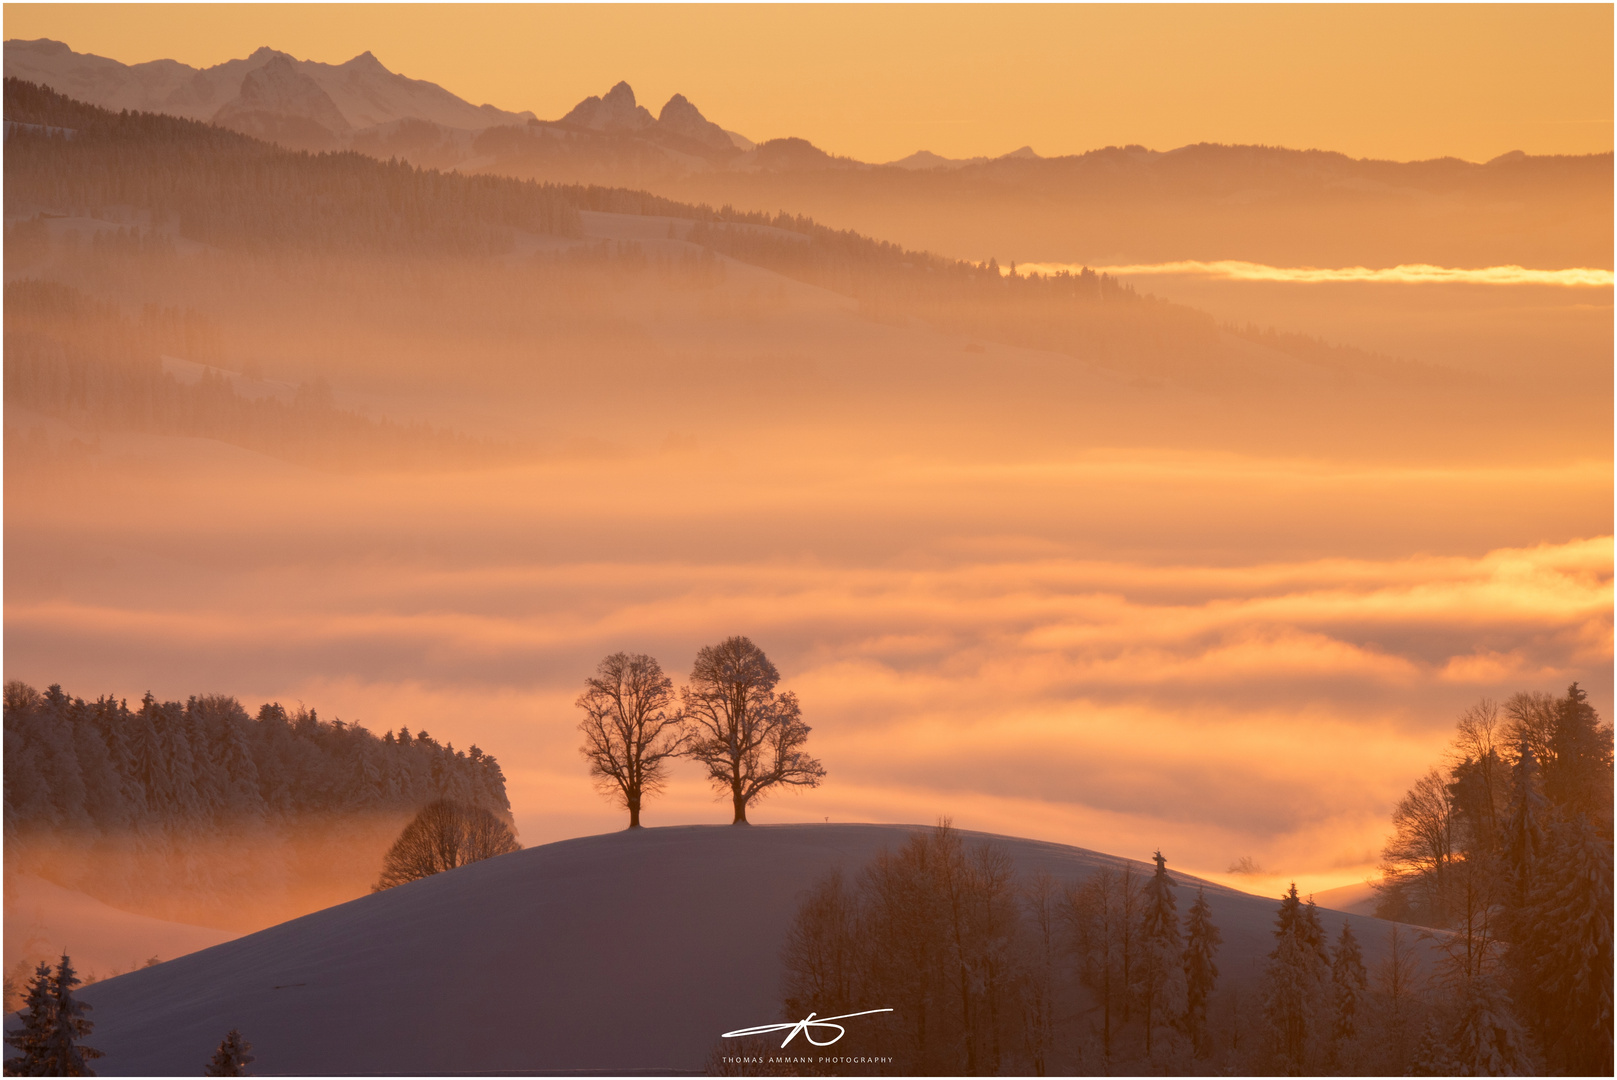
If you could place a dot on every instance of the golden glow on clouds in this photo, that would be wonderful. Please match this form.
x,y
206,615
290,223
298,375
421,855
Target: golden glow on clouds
x,y
1408,274
1274,709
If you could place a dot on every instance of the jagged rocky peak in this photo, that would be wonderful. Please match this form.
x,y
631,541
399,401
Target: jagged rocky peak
x,y
282,104
367,61
684,120
616,112
279,87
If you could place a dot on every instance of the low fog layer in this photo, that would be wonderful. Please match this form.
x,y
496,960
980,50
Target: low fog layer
x,y
1063,560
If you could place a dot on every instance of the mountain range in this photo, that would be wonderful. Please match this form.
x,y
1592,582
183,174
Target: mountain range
x,y
269,94
360,104
1118,205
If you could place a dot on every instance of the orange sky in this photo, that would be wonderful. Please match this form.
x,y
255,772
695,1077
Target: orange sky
x,y
878,82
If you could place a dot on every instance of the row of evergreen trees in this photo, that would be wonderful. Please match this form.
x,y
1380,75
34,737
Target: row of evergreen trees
x,y
73,765
1508,849
199,812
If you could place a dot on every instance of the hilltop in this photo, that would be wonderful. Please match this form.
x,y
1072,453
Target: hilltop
x,y
619,953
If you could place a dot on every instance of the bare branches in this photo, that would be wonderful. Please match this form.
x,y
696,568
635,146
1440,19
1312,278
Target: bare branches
x,y
1531,723
443,836
749,739
1420,854
630,728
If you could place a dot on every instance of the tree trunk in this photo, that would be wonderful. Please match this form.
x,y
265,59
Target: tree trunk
x,y
740,805
634,813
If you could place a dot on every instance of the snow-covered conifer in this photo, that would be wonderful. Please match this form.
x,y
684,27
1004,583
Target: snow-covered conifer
x,y
1202,939
1570,950
1349,983
232,1057
1159,942
1295,984
38,1016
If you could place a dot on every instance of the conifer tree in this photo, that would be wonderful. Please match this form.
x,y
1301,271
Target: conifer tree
x,y
1577,776
1201,944
38,1017
232,1057
1486,1038
1295,983
1159,941
63,1054
1570,950
1433,1056
1349,982
1314,934
1525,819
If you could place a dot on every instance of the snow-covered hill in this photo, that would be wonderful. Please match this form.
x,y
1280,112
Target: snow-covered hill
x,y
617,953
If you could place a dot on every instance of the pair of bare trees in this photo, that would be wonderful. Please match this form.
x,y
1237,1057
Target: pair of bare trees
x,y
730,719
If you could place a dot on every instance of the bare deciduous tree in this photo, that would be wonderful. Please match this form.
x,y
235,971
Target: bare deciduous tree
x,y
443,836
1104,931
1531,722
1419,857
932,931
749,738
1041,897
822,951
630,728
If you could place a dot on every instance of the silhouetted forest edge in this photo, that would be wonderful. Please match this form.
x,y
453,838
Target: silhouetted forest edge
x,y
201,812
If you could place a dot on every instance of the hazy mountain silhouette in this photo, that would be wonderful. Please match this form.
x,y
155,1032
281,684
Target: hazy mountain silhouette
x,y
926,159
360,93
617,112
1203,201
680,119
281,104
679,127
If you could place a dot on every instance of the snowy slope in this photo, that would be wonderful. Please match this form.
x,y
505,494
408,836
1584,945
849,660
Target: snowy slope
x,y
610,953
1356,899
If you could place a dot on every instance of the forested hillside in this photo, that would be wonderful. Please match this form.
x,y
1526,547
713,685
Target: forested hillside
x,y
229,190
1087,315
198,811
83,360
